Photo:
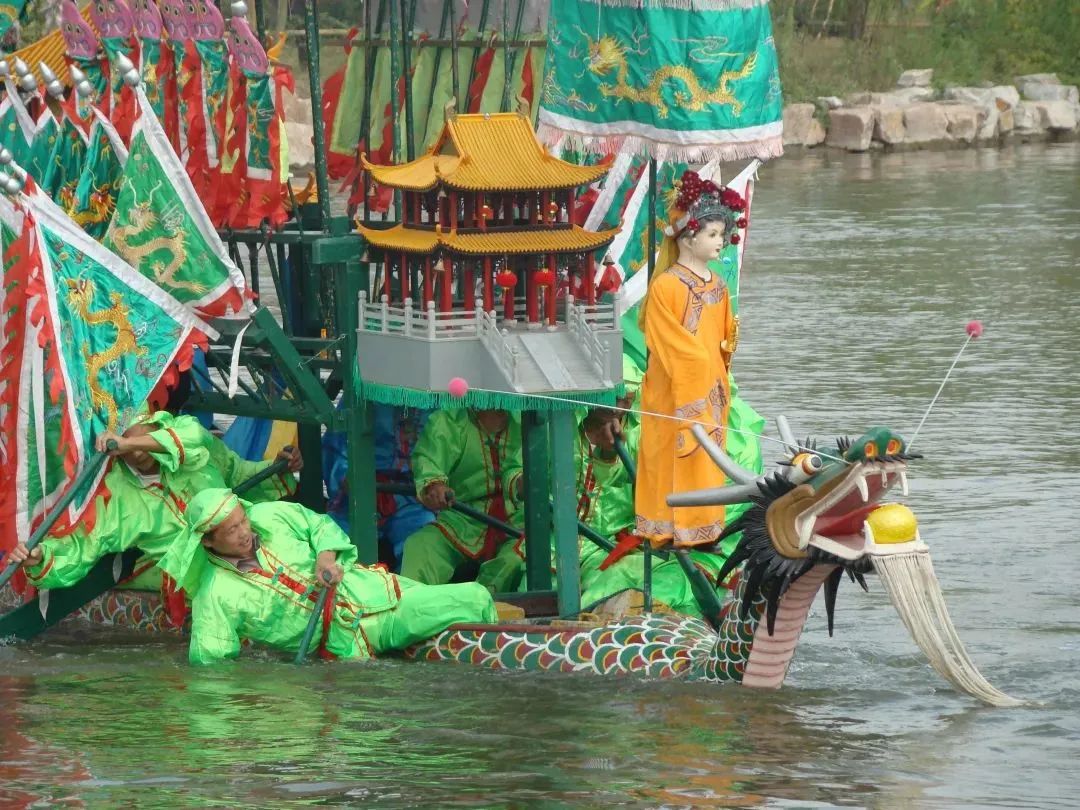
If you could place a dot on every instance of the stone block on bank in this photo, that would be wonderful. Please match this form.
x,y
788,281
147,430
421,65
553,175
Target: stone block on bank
x,y
889,125
1056,116
800,126
916,78
851,128
1029,83
925,123
1006,120
964,120
830,102
1027,119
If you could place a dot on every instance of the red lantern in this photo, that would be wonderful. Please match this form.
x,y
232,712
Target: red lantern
x,y
544,278
506,280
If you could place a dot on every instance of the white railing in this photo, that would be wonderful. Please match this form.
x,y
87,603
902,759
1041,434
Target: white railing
x,y
503,353
410,321
582,328
599,316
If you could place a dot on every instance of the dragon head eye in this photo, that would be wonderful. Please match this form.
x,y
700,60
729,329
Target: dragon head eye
x,y
870,450
804,467
893,447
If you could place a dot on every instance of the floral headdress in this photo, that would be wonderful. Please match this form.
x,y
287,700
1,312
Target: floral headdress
x,y
693,201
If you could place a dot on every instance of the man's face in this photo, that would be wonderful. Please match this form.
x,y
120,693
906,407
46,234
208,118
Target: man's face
x,y
140,459
233,536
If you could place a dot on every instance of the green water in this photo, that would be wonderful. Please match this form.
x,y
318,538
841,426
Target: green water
x,y
862,271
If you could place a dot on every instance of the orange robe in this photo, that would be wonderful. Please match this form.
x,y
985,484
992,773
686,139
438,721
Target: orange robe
x,y
689,332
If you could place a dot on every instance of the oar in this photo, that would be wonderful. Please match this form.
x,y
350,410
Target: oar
x,y
316,614
87,474
624,456
274,469
465,509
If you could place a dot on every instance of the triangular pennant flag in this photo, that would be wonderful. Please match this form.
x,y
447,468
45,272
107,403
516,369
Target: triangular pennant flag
x,y
93,199
63,167
161,227
96,339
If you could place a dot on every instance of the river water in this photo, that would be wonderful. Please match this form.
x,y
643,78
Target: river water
x,y
862,271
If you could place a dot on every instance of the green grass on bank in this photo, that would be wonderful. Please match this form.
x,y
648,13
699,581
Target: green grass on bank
x,y
966,42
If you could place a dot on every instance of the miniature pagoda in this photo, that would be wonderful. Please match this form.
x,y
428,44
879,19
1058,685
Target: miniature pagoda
x,y
485,277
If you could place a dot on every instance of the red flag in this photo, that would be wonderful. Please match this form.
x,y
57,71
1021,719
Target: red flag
x,y
480,77
527,78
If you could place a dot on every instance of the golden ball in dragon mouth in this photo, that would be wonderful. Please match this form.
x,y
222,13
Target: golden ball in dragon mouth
x,y
892,523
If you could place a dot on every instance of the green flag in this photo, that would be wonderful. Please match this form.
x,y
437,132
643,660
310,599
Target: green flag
x,y
93,200
63,167
690,81
161,227
93,339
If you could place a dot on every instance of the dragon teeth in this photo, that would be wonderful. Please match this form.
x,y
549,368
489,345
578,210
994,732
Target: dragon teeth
x,y
806,530
864,489
903,483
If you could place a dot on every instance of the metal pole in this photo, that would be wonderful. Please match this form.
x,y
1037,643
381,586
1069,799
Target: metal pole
x,y
563,429
406,65
260,21
647,546
454,51
438,64
510,61
322,179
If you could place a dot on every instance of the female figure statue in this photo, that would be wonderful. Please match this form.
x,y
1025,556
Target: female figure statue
x,y
690,333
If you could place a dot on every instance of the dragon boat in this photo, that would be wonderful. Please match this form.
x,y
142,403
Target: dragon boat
x,y
491,269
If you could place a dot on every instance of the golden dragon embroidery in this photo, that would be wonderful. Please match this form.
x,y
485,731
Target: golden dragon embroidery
x,y
141,220
80,294
607,55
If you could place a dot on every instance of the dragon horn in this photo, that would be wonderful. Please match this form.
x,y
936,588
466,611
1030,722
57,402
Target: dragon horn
x,y
714,496
732,469
786,434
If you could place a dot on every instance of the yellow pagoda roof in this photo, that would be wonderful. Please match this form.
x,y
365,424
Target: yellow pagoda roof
x,y
485,152
562,240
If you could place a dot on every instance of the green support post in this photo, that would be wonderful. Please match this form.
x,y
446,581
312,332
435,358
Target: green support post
x,y
564,518
309,491
322,179
359,423
534,449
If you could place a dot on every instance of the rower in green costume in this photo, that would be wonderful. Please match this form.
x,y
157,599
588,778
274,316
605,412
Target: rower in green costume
x,y
472,457
160,464
254,572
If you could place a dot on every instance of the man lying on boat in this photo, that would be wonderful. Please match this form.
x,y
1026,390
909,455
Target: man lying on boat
x,y
472,457
254,571
159,464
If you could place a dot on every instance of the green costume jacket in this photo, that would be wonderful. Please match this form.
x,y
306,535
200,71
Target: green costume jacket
x,y
273,603
481,469
130,513
606,503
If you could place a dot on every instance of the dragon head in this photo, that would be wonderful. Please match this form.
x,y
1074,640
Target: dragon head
x,y
80,292
820,514
605,54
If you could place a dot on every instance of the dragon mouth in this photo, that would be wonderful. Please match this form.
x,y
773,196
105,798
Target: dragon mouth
x,y
835,523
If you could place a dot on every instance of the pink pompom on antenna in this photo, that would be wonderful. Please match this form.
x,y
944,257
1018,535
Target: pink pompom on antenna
x,y
974,329
458,387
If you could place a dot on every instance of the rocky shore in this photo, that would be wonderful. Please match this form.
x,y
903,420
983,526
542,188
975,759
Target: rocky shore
x,y
914,115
